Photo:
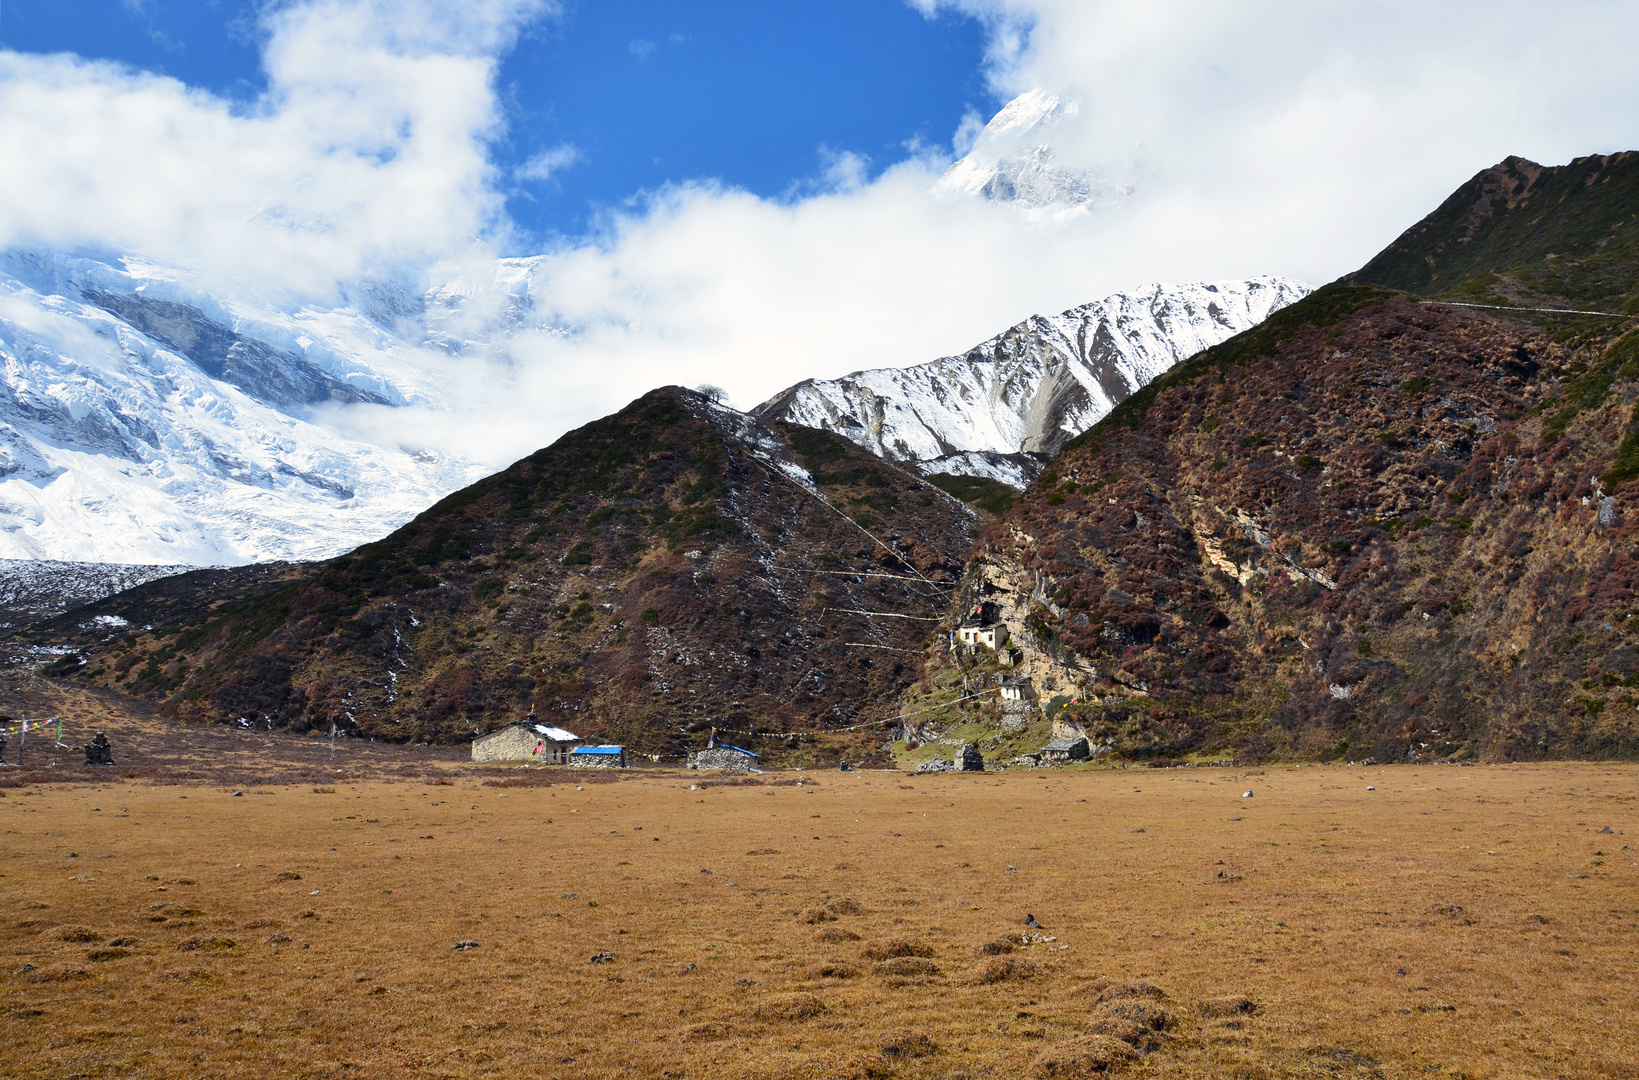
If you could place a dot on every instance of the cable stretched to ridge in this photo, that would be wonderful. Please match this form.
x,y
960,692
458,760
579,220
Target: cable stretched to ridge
x,y
890,648
884,614
816,493
848,573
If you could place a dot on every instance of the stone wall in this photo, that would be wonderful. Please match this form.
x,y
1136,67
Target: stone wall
x,y
723,757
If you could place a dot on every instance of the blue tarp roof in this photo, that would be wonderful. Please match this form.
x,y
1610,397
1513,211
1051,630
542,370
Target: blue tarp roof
x,y
726,746
597,750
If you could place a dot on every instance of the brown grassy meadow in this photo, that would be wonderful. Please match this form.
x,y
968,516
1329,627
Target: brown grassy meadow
x,y
1475,921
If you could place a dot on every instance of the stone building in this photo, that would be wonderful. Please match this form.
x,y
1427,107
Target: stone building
x,y
1066,748
1015,689
981,626
725,757
526,740
597,757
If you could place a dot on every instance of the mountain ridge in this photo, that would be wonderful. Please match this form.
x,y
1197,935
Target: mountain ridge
x,y
1033,387
1364,529
674,567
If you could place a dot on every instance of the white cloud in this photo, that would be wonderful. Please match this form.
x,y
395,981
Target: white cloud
x,y
1259,138
369,147
641,49
548,163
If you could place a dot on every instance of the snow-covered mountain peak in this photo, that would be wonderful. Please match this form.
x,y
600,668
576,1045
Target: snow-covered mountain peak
x,y
1030,111
1013,161
1029,390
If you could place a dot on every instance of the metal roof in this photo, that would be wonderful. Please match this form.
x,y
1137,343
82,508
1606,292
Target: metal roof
x,y
556,734
598,750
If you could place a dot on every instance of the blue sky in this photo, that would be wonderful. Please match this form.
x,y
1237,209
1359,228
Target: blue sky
x,y
621,96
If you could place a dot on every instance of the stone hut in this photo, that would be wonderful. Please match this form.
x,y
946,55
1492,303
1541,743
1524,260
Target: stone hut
x,y
725,757
597,757
526,740
990,635
982,626
1067,748
1015,689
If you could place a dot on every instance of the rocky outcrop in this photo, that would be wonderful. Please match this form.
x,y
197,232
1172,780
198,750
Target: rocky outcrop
x,y
1374,537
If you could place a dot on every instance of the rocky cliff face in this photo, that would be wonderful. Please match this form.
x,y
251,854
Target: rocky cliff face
x,y
675,567
1371,527
1003,406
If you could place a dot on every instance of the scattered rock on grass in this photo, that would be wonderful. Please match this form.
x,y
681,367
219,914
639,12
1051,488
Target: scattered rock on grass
x,y
463,946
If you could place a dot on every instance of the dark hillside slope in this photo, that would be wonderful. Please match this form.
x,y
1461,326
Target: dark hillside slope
x,y
1370,527
645,577
1522,234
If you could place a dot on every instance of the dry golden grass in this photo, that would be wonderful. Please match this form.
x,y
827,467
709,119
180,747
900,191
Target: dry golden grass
x,y
1454,921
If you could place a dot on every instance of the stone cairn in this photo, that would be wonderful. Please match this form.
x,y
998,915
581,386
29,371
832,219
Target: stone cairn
x,y
98,752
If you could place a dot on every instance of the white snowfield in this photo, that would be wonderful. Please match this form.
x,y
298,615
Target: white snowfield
x,y
1034,387
145,421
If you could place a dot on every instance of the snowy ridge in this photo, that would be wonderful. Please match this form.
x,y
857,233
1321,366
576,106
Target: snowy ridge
x,y
49,587
1014,470
1034,387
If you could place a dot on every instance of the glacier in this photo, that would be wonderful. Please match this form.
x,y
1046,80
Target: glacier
x,y
146,420
1006,405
